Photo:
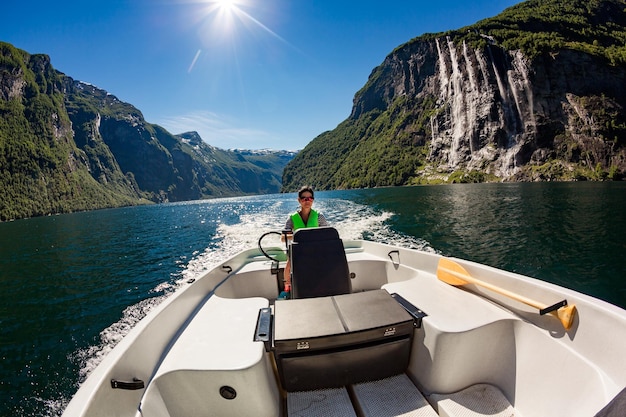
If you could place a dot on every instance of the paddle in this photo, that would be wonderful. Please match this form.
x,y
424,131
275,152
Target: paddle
x,y
452,273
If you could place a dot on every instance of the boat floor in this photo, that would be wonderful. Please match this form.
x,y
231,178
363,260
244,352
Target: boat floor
x,y
397,396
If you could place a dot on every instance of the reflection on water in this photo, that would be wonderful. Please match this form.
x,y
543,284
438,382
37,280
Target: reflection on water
x,y
570,234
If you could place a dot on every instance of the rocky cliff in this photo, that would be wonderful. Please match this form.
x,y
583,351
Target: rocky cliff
x,y
66,145
527,95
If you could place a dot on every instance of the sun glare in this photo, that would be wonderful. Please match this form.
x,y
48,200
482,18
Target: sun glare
x,y
223,13
224,23
227,5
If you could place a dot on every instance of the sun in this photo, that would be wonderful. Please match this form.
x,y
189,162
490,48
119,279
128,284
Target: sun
x,y
220,17
226,5
226,16
224,23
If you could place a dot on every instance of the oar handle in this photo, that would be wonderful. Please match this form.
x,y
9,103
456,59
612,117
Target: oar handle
x,y
507,293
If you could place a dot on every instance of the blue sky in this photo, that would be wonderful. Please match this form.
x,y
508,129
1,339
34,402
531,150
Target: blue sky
x,y
248,74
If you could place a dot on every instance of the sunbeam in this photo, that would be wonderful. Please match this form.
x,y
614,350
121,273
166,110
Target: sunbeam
x,y
195,59
221,19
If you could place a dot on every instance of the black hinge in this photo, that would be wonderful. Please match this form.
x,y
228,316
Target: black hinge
x,y
415,312
135,385
264,328
553,307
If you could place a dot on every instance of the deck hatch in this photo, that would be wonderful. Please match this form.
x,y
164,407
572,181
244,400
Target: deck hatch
x,y
349,338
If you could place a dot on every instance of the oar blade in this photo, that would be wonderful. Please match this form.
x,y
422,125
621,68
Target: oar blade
x,y
451,272
566,315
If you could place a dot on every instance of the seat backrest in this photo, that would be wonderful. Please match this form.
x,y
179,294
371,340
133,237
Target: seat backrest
x,y
318,264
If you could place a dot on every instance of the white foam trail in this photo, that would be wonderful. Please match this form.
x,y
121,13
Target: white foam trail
x,y
90,357
352,220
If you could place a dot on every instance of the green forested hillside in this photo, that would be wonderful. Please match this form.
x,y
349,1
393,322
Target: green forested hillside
x,y
596,27
68,146
41,169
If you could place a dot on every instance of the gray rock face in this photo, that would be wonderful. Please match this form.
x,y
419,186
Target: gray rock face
x,y
497,111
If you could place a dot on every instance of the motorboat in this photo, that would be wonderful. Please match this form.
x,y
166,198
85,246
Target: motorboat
x,y
369,329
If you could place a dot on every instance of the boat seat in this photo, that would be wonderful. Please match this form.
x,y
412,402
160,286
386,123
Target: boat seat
x,y
213,353
319,266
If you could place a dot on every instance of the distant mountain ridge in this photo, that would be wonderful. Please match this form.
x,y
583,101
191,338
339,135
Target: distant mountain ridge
x,y
66,145
536,93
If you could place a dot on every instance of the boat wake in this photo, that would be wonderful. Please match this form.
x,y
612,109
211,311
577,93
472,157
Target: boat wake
x,y
238,232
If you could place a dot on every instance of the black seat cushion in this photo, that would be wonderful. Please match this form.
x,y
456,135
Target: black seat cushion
x,y
318,264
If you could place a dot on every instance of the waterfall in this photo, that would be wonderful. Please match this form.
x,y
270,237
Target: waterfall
x,y
472,84
457,102
443,73
472,98
501,88
469,67
510,121
522,69
482,62
432,129
514,90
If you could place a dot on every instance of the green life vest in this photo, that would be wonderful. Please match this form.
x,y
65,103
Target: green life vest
x,y
298,223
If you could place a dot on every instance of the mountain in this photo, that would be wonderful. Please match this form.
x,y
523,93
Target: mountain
x,y
536,93
236,171
66,146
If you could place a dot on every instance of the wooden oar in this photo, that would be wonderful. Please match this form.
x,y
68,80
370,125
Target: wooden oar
x,y
452,273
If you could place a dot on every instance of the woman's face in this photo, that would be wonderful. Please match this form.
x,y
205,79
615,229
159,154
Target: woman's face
x,y
305,199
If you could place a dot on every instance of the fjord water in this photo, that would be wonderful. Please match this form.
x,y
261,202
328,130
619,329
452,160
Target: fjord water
x,y
73,285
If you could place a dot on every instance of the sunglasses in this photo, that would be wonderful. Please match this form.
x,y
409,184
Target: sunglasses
x,y
306,198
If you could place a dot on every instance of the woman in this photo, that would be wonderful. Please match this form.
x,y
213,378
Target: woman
x,y
305,217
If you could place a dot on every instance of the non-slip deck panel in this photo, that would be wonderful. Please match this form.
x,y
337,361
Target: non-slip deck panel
x,y
475,401
392,397
320,403
397,396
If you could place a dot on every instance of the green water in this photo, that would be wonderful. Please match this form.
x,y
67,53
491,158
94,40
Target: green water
x,y
570,234
72,285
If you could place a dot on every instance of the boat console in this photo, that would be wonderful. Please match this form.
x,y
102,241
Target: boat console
x,y
326,336
339,340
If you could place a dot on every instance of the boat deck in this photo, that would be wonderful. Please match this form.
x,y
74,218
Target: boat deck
x,y
398,397
476,353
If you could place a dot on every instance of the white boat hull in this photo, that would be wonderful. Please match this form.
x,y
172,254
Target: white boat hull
x,y
474,342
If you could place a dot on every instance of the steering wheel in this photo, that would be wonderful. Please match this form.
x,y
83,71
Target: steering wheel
x,y
268,256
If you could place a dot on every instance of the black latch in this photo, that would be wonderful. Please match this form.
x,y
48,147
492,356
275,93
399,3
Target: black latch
x,y
135,385
411,309
553,307
264,328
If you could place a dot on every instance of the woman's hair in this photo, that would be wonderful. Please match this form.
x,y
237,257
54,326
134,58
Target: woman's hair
x,y
304,189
